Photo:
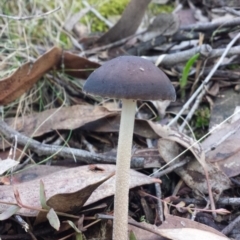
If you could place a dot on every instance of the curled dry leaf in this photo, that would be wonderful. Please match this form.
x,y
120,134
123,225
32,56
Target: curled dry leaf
x,y
69,202
170,134
193,174
67,118
25,76
190,144
177,228
189,234
76,66
65,182
222,148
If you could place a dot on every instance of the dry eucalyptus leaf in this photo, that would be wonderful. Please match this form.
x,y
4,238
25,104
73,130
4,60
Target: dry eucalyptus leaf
x,y
189,234
68,118
76,66
141,127
133,14
170,134
73,202
222,148
193,174
29,73
7,164
190,144
68,181
142,234
24,77
177,228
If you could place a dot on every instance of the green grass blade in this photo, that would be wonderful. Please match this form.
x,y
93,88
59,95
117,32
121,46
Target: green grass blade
x,y
186,70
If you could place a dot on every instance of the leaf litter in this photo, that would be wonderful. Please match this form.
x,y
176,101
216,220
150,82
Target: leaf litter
x,y
65,184
211,163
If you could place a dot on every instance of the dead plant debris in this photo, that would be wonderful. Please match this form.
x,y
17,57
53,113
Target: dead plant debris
x,y
58,145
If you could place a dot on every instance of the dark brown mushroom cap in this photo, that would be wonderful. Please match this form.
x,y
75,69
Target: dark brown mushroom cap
x,y
130,77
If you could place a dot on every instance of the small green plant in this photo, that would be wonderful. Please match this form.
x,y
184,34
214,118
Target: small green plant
x,y
106,9
156,9
202,117
186,70
132,236
143,219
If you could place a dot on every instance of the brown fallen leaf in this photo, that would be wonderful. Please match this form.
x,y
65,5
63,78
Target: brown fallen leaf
x,y
172,228
68,181
193,174
29,73
76,66
189,144
7,164
68,118
24,77
141,127
177,228
73,202
133,14
222,148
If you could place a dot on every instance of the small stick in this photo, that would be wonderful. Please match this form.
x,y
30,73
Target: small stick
x,y
201,87
31,17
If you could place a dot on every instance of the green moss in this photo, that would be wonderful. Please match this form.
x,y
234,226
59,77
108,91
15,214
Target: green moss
x,y
233,67
200,122
202,117
156,9
107,9
115,8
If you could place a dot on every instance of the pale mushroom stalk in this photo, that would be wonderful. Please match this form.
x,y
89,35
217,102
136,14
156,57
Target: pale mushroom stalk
x,y
120,229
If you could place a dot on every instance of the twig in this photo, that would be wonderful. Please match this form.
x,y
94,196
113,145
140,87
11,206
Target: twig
x,y
211,26
158,191
61,151
232,11
205,50
47,149
71,21
110,45
158,174
31,17
93,10
231,226
22,223
143,226
201,87
223,201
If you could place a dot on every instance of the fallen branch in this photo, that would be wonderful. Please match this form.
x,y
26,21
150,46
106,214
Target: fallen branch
x,y
205,50
212,26
61,151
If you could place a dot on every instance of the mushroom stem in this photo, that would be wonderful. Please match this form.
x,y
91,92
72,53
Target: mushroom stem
x,y
120,223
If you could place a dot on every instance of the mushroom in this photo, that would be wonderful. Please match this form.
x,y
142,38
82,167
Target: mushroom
x,y
128,78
